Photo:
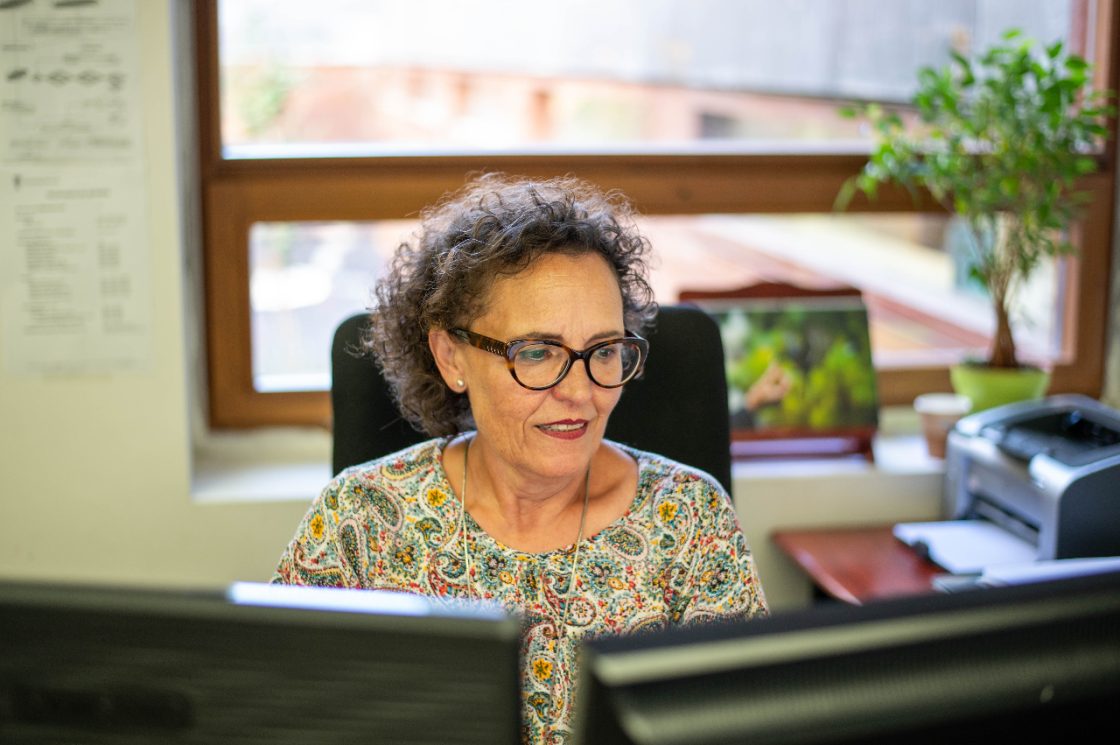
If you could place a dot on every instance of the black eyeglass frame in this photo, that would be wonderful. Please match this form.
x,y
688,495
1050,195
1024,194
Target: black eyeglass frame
x,y
509,350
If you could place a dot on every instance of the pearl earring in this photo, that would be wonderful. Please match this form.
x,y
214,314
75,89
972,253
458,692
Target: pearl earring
x,y
460,383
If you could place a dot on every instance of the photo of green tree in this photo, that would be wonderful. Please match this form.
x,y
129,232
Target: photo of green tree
x,y
798,366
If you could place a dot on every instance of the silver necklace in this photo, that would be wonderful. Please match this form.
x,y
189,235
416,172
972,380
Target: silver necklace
x,y
562,631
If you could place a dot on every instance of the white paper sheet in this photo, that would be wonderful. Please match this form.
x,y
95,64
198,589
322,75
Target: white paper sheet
x,y
966,546
74,271
1015,574
69,82
75,281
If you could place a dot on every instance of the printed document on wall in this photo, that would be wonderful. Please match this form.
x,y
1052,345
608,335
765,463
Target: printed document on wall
x,y
69,82
75,282
76,297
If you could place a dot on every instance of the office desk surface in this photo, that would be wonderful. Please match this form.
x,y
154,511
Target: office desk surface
x,y
856,565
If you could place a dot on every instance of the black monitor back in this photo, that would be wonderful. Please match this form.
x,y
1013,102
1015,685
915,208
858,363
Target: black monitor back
x,y
1035,663
260,664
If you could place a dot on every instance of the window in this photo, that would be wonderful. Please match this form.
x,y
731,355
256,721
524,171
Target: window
x,y
322,139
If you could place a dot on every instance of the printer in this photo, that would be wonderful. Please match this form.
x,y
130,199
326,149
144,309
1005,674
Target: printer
x,y
1047,471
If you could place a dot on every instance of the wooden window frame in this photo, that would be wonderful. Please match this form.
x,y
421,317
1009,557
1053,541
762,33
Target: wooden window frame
x,y
235,194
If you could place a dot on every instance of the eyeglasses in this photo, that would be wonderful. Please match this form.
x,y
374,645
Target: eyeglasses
x,y
538,364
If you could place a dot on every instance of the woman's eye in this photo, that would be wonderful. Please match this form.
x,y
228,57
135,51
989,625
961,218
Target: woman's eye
x,y
605,353
534,355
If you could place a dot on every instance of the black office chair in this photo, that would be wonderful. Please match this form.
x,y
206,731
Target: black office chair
x,y
678,408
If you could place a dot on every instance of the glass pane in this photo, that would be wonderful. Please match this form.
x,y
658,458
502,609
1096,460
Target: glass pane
x,y
377,76
912,269
305,279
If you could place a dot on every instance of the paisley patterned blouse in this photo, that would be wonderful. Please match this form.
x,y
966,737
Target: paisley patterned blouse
x,y
677,556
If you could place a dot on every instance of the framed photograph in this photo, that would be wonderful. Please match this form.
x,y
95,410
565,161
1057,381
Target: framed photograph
x,y
800,378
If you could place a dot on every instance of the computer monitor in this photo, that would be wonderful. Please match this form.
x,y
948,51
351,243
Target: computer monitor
x,y
257,664
1023,664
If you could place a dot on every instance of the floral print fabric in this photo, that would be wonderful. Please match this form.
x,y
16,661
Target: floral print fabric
x,y
677,556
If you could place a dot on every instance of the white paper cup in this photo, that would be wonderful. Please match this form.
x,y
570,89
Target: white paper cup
x,y
939,412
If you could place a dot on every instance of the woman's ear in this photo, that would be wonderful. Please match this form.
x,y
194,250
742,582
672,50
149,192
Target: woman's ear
x,y
446,354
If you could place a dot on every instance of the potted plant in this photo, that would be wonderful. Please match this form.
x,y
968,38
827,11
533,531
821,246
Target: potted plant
x,y
1001,142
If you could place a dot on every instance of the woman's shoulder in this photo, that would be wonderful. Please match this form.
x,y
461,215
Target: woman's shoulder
x,y
659,473
421,461
390,487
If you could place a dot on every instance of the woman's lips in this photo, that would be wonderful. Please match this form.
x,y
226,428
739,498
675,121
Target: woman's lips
x,y
567,429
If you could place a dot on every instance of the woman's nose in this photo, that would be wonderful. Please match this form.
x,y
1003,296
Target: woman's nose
x,y
577,384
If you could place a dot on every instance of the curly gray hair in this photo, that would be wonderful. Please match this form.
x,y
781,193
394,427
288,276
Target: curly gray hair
x,y
493,226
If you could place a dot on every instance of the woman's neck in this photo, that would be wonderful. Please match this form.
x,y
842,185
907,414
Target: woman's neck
x,y
537,515
523,511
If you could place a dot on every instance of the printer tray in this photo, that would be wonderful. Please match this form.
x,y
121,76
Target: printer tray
x,y
966,546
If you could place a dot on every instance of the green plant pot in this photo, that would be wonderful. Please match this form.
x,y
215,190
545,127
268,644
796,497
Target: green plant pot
x,y
995,386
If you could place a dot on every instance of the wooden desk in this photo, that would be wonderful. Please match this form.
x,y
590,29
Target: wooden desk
x,y
856,565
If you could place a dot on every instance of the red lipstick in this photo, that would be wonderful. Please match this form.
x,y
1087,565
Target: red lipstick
x,y
565,429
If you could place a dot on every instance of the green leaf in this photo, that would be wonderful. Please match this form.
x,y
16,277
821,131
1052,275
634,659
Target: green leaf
x,y
1085,166
1075,63
844,197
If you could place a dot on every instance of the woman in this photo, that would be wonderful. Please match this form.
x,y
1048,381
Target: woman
x,y
507,330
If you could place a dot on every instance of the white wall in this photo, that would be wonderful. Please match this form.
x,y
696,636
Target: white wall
x,y
95,472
